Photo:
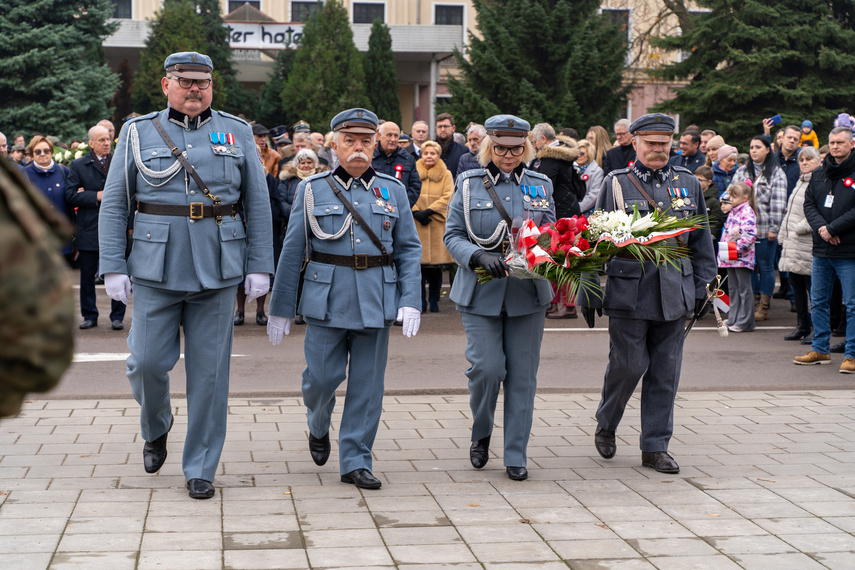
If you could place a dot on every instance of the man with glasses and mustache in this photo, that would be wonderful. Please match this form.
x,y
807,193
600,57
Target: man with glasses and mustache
x,y
356,228
187,166
622,154
647,304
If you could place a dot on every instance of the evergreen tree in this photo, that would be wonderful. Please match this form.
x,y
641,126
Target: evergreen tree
x,y
555,61
122,104
236,99
752,59
269,110
53,78
176,27
381,80
327,76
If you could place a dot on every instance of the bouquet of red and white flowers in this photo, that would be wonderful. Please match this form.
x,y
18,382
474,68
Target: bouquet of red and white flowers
x,y
563,251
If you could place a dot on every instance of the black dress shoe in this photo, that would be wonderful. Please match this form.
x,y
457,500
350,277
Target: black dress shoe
x,y
118,325
798,334
238,318
659,460
838,348
319,447
479,452
299,320
604,441
808,339
200,489
88,324
517,473
260,319
362,478
154,452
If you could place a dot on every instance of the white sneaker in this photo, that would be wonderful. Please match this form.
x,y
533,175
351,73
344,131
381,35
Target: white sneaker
x,y
735,329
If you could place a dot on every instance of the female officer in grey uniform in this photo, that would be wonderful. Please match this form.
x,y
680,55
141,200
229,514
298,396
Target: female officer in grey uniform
x,y
504,317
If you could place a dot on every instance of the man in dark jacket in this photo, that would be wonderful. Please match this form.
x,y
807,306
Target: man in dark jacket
x,y
623,155
830,211
390,159
83,191
469,161
555,156
451,150
691,157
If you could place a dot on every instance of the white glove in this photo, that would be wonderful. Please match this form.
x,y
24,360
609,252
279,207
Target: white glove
x,y
411,318
276,327
118,286
256,285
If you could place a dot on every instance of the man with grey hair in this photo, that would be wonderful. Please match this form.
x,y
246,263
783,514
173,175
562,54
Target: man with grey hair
x,y
395,161
419,132
830,211
622,155
469,161
83,191
111,130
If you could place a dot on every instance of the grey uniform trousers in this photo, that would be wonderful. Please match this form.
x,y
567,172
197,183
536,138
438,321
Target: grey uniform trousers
x,y
155,347
651,349
504,352
327,351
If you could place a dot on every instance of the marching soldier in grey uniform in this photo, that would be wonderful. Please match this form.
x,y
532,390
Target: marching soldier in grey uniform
x,y
504,317
188,167
647,306
355,229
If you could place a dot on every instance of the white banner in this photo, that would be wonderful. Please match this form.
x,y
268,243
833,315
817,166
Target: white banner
x,y
264,36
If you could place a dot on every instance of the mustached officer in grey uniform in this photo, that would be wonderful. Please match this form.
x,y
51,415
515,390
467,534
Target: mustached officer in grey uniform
x,y
504,317
355,228
188,167
647,305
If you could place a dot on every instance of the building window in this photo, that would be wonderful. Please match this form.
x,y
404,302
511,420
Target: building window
x,y
367,12
619,18
303,11
235,5
448,15
122,9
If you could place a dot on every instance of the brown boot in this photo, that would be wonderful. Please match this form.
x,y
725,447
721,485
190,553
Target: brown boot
x,y
552,308
762,312
563,313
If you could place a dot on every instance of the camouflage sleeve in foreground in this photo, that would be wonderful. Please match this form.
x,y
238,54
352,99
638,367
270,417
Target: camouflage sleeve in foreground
x,y
36,299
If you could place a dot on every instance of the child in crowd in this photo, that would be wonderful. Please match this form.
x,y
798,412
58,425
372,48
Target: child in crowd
x,y
736,253
809,135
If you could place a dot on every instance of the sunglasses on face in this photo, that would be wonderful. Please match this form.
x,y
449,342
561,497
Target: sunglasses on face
x,y
39,151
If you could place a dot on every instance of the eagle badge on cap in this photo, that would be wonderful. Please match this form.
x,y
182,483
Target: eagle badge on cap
x,y
510,122
194,58
359,114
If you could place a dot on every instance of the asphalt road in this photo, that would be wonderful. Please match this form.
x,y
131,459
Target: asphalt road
x,y
573,358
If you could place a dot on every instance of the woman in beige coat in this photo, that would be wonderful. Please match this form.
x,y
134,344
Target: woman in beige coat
x,y
429,213
796,239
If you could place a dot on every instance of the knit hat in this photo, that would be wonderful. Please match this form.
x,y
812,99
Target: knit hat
x,y
726,151
717,141
807,124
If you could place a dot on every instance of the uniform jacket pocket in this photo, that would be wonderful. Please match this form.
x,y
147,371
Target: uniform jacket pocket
x,y
148,254
317,282
622,284
391,293
232,249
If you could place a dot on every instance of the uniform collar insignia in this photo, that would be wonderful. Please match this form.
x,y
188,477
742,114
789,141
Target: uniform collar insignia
x,y
495,174
646,175
345,179
185,122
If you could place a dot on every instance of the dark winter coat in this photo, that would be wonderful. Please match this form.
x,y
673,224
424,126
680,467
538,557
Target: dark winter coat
x,y
85,173
451,155
556,162
288,182
690,162
618,157
839,219
52,184
409,177
468,161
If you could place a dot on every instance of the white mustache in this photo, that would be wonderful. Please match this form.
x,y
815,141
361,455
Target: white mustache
x,y
357,155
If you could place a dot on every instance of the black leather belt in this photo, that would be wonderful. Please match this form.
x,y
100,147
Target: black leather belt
x,y
195,210
358,261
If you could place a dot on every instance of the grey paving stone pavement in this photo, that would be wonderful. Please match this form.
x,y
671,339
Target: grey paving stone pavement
x,y
766,481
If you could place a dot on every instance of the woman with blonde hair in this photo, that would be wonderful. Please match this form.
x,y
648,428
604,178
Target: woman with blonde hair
x,y
591,174
599,138
429,212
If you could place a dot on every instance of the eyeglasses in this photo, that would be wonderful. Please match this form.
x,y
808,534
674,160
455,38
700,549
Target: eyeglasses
x,y
39,151
621,134
186,83
504,150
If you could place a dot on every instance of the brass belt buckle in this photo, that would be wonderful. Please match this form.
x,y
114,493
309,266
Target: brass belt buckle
x,y
196,211
363,257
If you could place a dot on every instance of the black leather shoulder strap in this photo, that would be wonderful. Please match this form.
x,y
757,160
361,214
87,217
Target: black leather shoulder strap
x,y
492,192
356,215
